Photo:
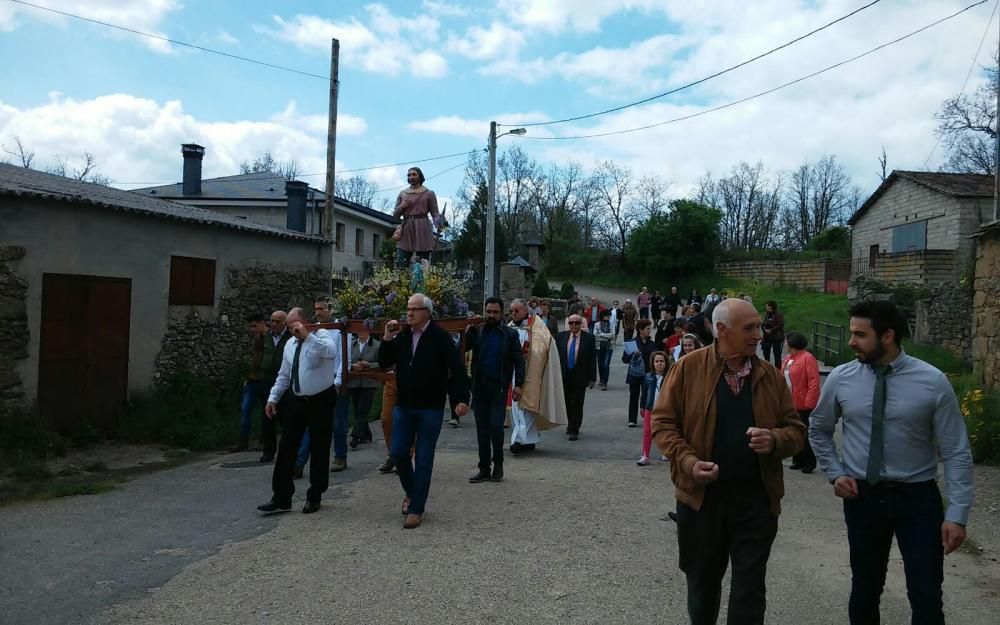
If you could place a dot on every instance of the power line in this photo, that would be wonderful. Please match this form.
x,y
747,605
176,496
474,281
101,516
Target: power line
x,y
173,41
965,82
706,78
762,93
440,173
343,171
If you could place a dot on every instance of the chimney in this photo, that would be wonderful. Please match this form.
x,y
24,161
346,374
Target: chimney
x,y
296,191
193,153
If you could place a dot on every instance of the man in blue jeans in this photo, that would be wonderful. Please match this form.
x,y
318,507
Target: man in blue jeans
x,y
428,367
899,415
604,332
497,361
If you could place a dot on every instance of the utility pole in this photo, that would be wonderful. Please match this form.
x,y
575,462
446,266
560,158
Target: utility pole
x,y
996,153
331,145
489,271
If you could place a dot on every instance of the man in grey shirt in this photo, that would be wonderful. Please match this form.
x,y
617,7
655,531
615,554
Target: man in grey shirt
x,y
898,414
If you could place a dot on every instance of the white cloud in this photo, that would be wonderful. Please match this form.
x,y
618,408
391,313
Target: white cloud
x,y
476,128
386,45
138,139
347,125
144,15
579,15
224,36
444,9
386,177
498,41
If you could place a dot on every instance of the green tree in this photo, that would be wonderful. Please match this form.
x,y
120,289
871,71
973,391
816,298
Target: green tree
x,y
686,238
834,239
541,288
470,244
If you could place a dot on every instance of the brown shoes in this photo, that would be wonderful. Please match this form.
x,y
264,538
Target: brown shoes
x,y
338,464
406,506
412,521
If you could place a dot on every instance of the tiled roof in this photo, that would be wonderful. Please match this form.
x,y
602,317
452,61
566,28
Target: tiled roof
x,y
18,181
955,185
257,186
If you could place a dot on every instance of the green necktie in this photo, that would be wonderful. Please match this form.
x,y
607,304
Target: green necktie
x,y
876,445
295,369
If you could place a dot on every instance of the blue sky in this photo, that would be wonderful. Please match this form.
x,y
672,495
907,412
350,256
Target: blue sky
x,y
421,79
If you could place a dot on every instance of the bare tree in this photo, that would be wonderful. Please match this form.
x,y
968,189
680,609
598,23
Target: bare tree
x,y
86,172
967,126
650,196
356,189
289,170
883,162
23,155
751,205
818,196
516,177
613,187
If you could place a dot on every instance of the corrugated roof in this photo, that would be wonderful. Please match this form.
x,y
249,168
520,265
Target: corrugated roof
x,y
257,186
18,181
954,185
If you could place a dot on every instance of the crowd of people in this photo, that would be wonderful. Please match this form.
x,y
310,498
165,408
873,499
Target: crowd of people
x,y
722,416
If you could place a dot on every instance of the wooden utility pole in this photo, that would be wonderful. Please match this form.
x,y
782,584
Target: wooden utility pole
x,y
331,144
996,153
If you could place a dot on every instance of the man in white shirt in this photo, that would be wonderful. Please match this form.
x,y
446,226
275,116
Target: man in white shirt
x,y
311,371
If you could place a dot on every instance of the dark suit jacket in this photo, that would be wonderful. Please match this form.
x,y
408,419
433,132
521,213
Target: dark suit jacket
x,y
511,356
271,362
424,379
585,370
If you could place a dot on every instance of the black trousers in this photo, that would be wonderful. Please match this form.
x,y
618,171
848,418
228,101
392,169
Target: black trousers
x,y
489,404
362,399
769,346
805,458
734,524
913,514
574,391
269,427
316,413
634,393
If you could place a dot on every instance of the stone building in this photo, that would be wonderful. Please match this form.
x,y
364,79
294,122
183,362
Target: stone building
x,y
916,227
103,292
986,305
267,198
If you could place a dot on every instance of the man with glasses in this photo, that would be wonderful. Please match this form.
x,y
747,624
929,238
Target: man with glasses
x,y
578,357
428,367
541,405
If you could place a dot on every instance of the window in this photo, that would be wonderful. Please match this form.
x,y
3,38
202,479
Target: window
x,y
359,242
192,281
909,237
376,244
341,231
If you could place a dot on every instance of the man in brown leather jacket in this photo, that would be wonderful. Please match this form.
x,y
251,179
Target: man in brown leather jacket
x,y
725,419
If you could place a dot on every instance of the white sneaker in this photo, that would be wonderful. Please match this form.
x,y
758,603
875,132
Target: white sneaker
x,y
453,423
643,461
663,458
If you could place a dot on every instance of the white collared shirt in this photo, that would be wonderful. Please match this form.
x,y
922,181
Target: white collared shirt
x,y
320,364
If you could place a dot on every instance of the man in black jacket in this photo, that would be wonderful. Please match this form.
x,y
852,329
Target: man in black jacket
x,y
428,367
274,347
496,361
578,355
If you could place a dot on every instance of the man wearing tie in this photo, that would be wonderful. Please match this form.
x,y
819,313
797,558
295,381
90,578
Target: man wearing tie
x,y
899,415
578,355
311,368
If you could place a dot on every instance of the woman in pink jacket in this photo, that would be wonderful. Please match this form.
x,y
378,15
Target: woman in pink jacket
x,y
802,375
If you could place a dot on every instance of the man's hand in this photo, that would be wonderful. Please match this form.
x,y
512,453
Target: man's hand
x,y
761,440
515,393
845,487
271,409
952,536
299,331
462,410
392,330
705,472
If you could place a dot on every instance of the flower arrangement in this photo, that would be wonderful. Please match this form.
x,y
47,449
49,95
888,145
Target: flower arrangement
x,y
384,295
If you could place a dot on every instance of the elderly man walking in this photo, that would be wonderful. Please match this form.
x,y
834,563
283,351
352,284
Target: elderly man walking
x,y
497,362
725,419
578,358
428,367
311,369
899,415
274,347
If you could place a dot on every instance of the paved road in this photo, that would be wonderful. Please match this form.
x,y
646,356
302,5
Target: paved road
x,y
576,533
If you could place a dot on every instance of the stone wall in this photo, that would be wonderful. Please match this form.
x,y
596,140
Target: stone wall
x,y
804,274
945,319
924,267
213,347
13,331
515,282
986,309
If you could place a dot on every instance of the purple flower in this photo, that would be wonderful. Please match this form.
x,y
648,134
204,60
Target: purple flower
x,y
390,297
379,310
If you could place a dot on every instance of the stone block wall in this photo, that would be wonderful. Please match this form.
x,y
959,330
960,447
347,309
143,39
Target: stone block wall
x,y
804,274
515,282
213,345
13,331
986,309
924,267
945,319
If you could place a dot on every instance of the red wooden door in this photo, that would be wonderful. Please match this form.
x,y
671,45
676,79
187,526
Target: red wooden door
x,y
83,360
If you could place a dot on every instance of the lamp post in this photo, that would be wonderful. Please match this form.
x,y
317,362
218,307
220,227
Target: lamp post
x,y
489,272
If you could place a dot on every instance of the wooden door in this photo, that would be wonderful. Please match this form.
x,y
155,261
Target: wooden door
x,y
83,360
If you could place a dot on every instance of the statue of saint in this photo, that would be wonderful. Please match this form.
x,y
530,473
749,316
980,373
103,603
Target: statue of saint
x,y
414,205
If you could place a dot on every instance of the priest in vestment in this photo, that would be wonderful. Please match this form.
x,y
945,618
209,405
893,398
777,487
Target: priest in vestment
x,y
542,405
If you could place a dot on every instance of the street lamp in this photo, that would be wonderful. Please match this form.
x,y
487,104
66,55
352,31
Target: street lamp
x,y
489,274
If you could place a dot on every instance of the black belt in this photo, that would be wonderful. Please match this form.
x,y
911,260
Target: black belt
x,y
895,484
424,216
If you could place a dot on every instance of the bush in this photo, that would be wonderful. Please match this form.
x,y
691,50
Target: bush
x,y
566,290
981,410
541,288
25,437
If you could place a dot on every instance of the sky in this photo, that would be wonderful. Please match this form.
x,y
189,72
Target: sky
x,y
424,79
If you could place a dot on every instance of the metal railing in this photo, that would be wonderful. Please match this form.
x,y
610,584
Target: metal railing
x,y
828,342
